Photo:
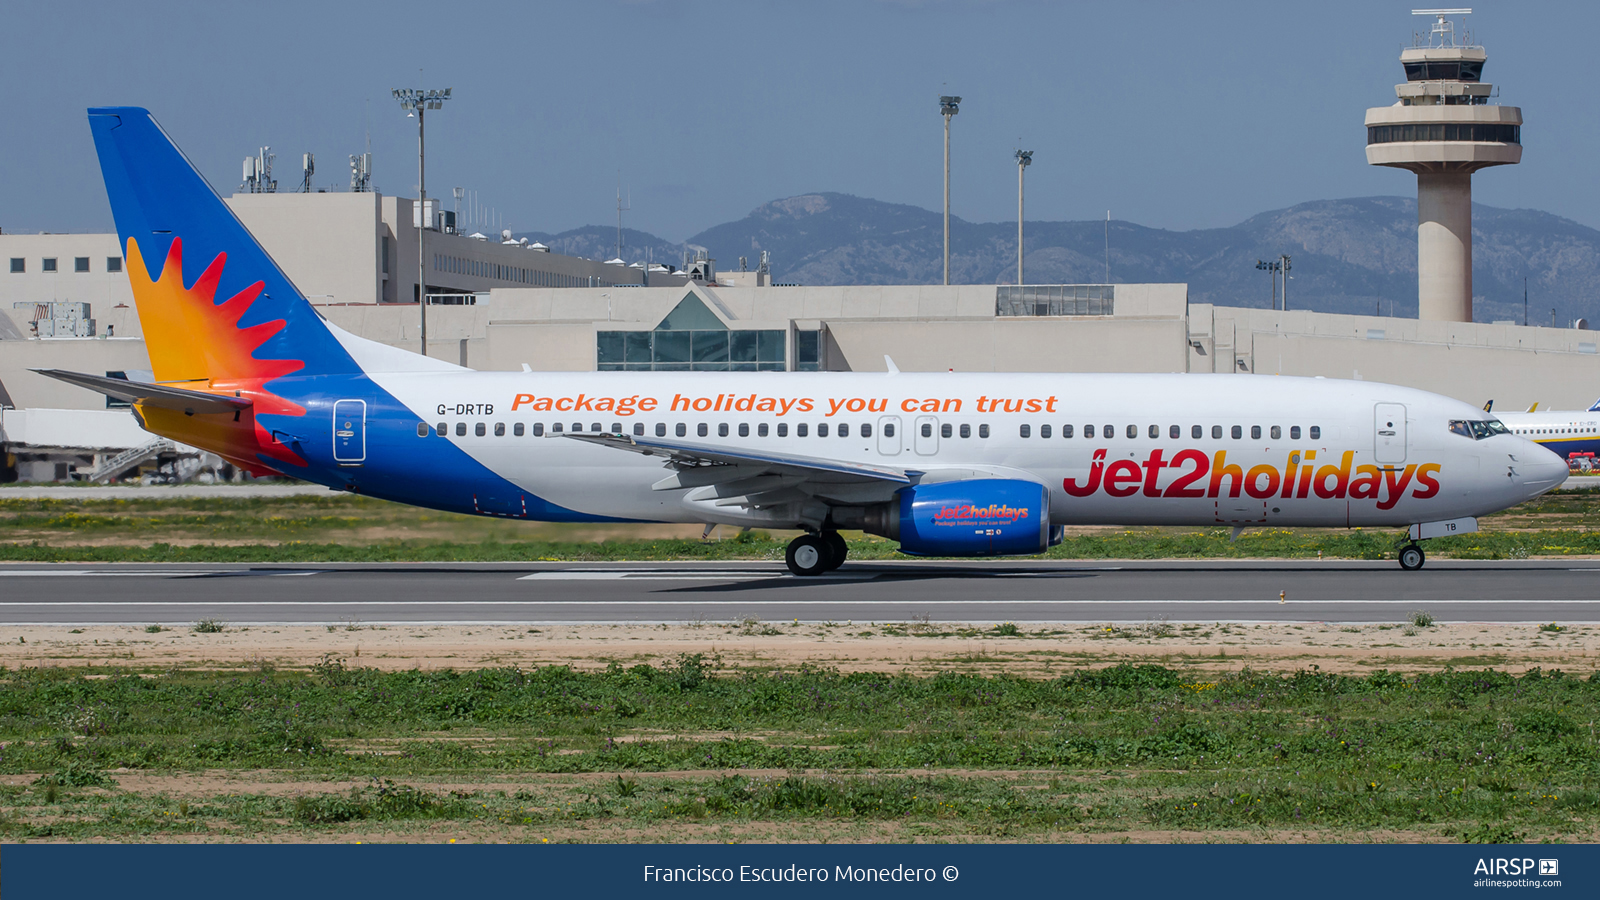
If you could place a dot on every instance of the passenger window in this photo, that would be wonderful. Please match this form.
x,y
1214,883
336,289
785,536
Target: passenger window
x,y
1133,432
1294,432
1255,432
761,430
927,430
1023,430
1155,432
888,429
866,429
1238,432
783,429
595,426
499,429
1088,431
519,429
1277,432
616,427
800,430
944,430
722,430
983,431
822,429
1066,431
844,429
555,428
1044,431
744,429
966,430
1108,432
442,429
1316,432
480,429
538,429
461,429
638,429
1196,432
422,429
1174,432
661,429
701,429
1216,432
682,429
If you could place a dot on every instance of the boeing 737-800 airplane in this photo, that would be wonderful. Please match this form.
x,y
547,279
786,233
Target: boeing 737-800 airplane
x,y
1565,433
945,464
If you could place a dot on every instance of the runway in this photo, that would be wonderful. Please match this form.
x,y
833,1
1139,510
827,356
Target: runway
x,y
966,591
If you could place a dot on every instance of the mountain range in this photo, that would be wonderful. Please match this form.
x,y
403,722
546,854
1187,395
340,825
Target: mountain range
x,y
1356,255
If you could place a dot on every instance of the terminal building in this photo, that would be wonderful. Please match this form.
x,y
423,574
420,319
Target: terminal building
x,y
498,304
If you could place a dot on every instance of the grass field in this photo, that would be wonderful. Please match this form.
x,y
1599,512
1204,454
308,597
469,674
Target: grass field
x,y
352,528
688,751
992,735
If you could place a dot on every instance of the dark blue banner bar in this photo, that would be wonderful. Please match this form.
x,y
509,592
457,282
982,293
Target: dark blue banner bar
x,y
398,872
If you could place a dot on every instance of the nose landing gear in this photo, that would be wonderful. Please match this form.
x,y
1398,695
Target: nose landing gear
x,y
814,554
1412,557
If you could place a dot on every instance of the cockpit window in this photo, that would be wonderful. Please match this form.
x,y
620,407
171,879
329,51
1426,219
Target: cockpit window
x,y
1478,430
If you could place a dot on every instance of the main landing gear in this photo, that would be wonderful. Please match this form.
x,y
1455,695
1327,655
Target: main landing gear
x,y
814,554
1412,557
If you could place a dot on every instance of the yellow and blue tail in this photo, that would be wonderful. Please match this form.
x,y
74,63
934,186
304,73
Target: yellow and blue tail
x,y
213,304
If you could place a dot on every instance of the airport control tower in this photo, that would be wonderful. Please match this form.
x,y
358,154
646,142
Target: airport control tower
x,y
1443,128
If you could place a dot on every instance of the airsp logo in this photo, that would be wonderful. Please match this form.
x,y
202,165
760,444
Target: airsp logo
x,y
1549,867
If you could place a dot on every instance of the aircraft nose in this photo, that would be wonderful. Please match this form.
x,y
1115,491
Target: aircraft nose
x,y
1539,470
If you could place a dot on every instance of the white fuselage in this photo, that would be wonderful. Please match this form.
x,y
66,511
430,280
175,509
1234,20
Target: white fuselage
x,y
1233,450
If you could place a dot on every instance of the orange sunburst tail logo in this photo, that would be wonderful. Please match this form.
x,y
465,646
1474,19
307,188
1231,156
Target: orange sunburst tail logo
x,y
197,344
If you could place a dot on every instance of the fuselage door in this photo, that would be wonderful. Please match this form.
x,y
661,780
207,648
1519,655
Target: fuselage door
x,y
1389,433
889,436
927,437
350,432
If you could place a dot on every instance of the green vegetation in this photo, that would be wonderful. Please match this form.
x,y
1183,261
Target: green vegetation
x,y
1460,755
360,529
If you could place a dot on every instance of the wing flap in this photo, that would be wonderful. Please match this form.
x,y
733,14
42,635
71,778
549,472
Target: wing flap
x,y
158,395
689,456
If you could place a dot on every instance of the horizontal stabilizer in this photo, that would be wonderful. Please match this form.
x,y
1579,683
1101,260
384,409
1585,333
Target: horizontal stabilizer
x,y
158,395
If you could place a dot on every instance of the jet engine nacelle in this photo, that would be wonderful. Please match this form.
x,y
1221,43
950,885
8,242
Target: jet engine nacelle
x,y
979,517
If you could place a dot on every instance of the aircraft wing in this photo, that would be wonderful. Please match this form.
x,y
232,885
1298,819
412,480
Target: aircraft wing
x,y
686,456
158,395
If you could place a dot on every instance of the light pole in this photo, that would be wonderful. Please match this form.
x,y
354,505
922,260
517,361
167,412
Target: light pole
x,y
1283,264
948,106
416,102
1272,267
1024,160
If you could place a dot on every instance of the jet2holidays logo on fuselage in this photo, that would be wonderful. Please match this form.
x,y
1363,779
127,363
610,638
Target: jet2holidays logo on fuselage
x,y
1299,477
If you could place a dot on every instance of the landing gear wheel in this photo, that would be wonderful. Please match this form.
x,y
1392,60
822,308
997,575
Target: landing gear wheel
x,y
1412,557
808,555
837,548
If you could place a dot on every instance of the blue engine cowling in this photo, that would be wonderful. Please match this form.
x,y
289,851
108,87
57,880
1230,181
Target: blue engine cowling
x,y
981,517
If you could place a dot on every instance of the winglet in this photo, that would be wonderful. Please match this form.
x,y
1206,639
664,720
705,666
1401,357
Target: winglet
x,y
1595,407
1489,407
895,370
1534,407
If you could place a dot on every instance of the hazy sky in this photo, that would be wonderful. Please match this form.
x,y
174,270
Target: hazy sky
x,y
1176,115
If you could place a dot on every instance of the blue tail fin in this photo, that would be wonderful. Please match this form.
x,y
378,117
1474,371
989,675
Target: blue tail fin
x,y
1595,407
213,305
